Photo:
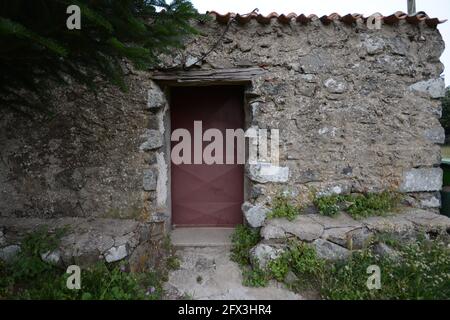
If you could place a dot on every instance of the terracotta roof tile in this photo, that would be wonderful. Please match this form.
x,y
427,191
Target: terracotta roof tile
x,y
326,19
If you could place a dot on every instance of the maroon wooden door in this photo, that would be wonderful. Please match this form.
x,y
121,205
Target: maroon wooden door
x,y
207,195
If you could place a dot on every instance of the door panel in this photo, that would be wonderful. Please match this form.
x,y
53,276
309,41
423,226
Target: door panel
x,y
207,195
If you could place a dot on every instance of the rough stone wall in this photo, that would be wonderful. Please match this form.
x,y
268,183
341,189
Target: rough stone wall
x,y
87,159
357,109
92,165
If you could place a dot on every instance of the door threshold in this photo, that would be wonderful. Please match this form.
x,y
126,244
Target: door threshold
x,y
201,237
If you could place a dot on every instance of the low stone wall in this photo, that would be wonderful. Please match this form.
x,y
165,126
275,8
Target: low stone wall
x,y
94,165
88,241
334,238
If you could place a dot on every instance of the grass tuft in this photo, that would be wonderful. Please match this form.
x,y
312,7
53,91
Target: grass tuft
x,y
358,205
29,277
282,208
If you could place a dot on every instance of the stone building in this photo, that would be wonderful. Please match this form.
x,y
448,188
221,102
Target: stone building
x,y
355,100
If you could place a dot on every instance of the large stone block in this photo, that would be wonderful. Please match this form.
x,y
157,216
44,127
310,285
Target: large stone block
x,y
149,180
153,140
426,221
435,135
395,225
261,254
116,253
156,98
304,227
266,172
9,253
422,179
435,88
254,215
330,251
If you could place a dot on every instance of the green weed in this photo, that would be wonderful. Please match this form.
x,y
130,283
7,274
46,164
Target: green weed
x,y
282,208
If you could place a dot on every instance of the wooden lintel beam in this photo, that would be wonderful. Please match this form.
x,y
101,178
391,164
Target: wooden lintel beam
x,y
214,75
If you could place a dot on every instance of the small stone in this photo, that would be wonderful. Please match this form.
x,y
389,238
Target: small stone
x,y
2,239
383,250
435,135
116,253
374,45
330,190
266,172
335,86
399,46
315,63
245,46
261,254
191,61
430,203
308,78
337,235
256,191
254,215
306,89
359,238
149,180
255,106
435,88
153,141
156,98
303,227
159,217
330,251
243,63
272,232
8,253
395,65
290,278
422,179
52,257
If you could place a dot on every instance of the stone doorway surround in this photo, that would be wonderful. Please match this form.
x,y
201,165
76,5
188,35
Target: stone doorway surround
x,y
157,176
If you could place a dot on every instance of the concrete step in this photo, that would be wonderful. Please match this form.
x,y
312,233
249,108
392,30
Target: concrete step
x,y
201,237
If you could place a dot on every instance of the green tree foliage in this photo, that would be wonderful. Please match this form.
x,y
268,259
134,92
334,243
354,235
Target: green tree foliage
x,y
36,47
445,120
